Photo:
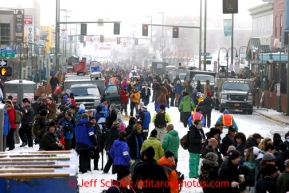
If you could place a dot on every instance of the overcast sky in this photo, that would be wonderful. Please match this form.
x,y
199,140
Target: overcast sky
x,y
129,12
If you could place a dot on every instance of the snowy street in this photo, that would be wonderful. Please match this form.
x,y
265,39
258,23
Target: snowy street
x,y
247,124
95,181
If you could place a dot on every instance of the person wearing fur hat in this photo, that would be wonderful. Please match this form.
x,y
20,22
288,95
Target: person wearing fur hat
x,y
229,173
153,173
145,118
209,171
42,121
228,120
12,116
49,141
186,106
135,141
213,147
155,143
168,162
197,140
112,115
171,142
124,178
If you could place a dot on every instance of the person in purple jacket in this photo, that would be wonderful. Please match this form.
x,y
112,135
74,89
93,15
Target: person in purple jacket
x,y
119,151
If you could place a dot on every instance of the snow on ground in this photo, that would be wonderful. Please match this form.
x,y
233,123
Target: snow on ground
x,y
247,124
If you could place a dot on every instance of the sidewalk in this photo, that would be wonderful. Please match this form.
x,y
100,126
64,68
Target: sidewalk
x,y
273,115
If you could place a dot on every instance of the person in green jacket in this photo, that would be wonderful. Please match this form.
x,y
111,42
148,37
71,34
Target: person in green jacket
x,y
155,143
186,106
171,142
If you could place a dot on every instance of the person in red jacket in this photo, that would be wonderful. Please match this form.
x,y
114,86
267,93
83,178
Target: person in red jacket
x,y
124,99
12,115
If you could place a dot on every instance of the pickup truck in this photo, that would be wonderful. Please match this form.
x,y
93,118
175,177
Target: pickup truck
x,y
234,94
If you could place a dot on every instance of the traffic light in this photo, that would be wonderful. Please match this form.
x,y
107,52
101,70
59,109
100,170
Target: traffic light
x,y
101,39
145,30
118,40
135,41
230,6
116,28
6,71
175,32
203,62
83,29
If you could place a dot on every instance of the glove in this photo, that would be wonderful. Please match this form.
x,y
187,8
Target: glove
x,y
131,162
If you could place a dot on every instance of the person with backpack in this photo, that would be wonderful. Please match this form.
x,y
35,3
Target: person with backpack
x,y
177,90
186,106
12,116
25,131
160,120
39,127
171,142
197,139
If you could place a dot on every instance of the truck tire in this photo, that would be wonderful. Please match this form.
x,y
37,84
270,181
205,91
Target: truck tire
x,y
250,111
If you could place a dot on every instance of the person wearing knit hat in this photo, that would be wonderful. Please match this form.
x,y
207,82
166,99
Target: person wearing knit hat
x,y
169,154
156,144
49,141
213,147
228,140
268,157
124,178
151,171
228,120
229,172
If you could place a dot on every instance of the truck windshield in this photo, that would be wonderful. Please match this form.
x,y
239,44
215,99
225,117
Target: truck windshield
x,y
204,78
236,86
182,76
85,91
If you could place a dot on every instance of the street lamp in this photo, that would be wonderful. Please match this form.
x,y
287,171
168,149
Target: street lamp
x,y
219,57
227,56
279,80
248,58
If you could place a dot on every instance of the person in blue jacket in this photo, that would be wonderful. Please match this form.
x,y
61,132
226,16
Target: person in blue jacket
x,y
104,108
177,90
67,126
98,113
198,115
85,142
6,128
119,151
145,119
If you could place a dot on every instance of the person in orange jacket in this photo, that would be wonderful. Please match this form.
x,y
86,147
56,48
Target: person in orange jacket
x,y
168,162
134,96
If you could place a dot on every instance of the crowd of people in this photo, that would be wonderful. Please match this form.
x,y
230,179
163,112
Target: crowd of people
x,y
137,154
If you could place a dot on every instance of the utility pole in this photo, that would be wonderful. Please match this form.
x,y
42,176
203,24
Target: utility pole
x,y
232,41
57,35
205,36
200,41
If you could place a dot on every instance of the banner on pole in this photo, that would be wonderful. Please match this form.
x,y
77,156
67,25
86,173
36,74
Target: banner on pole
x,y
228,27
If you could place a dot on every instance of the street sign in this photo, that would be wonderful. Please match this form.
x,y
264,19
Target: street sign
x,y
3,62
205,54
7,52
209,57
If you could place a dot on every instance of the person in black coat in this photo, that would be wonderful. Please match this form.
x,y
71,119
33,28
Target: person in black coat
x,y
197,140
229,174
112,134
112,115
240,142
207,105
267,183
134,142
198,87
39,106
145,94
152,173
213,148
282,156
228,140
131,123
254,142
